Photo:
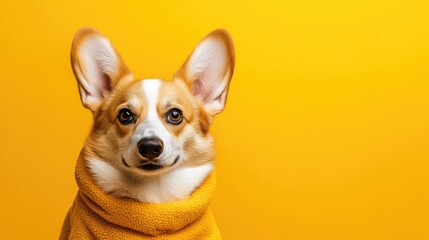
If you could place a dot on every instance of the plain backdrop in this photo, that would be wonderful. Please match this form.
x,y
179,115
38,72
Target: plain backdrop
x,y
324,136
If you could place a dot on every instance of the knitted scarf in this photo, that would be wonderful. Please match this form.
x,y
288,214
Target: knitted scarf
x,y
97,215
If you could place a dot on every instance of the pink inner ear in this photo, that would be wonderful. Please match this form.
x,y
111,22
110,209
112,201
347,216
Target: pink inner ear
x,y
106,83
202,88
198,87
101,86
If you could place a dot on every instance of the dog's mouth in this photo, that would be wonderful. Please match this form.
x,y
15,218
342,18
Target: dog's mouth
x,y
150,166
125,163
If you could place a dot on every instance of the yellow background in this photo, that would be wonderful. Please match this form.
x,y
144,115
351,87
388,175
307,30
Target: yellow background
x,y
325,134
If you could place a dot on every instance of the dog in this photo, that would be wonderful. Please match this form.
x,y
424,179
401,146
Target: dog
x,y
150,140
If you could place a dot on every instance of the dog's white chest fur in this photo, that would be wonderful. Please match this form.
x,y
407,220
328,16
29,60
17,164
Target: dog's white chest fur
x,y
174,185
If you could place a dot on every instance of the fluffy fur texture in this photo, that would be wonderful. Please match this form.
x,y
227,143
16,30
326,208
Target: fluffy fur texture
x,y
107,87
97,215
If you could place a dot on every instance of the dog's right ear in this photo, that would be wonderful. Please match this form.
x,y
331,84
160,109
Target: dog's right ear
x,y
97,66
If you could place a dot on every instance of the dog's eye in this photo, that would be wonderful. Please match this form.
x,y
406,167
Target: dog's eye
x,y
174,116
126,116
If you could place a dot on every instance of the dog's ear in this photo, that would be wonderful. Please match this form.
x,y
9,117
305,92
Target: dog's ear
x,y
97,66
208,70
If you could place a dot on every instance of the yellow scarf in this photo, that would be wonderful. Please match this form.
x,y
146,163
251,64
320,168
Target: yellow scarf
x,y
97,215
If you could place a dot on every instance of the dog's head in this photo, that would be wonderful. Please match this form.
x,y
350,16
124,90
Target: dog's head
x,y
150,126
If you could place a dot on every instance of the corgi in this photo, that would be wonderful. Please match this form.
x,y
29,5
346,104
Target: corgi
x,y
150,138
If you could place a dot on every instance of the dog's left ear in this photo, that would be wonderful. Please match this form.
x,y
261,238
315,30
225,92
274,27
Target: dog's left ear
x,y
97,66
208,70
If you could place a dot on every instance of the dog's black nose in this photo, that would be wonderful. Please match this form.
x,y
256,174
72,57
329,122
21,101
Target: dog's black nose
x,y
150,147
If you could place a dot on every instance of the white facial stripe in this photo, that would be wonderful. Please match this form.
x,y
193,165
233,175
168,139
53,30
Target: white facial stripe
x,y
151,91
152,125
